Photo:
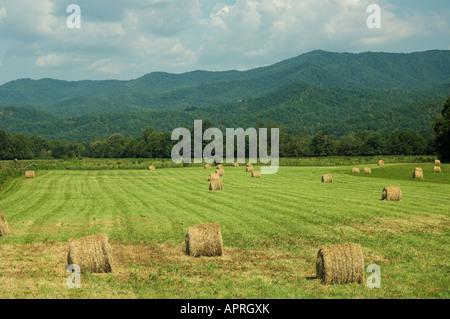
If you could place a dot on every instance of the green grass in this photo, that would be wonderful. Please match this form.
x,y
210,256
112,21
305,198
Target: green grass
x,y
272,229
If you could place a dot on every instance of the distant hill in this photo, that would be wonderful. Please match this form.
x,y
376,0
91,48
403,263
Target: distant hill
x,y
163,91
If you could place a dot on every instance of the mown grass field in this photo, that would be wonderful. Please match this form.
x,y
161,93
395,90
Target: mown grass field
x,y
272,229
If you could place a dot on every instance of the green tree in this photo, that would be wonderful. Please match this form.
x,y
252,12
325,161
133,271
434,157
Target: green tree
x,y
442,130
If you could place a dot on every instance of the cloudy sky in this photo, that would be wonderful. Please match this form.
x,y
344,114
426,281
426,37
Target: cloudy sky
x,y
127,39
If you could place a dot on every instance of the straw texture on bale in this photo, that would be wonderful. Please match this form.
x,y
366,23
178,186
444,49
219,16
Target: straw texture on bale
x,y
392,194
437,169
249,169
340,264
380,163
235,164
30,174
256,174
220,166
4,229
418,169
220,172
328,178
249,164
367,170
437,162
216,185
207,166
418,175
213,177
203,240
355,170
151,168
92,253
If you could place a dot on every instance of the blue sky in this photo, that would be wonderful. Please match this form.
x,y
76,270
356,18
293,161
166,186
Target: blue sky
x,y
127,39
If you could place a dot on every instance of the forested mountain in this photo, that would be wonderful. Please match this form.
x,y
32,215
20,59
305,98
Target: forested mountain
x,y
163,91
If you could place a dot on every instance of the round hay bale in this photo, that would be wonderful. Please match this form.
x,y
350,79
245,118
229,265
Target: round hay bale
x,y
437,169
418,175
220,172
4,229
249,169
418,169
235,164
207,166
380,163
220,166
437,162
213,177
30,174
367,170
392,194
151,168
340,264
249,164
256,174
92,253
355,170
203,240
216,185
328,178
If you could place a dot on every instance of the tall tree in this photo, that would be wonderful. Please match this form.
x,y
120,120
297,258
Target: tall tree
x,y
442,130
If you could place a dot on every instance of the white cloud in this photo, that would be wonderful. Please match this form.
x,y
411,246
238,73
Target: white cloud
x,y
51,60
3,13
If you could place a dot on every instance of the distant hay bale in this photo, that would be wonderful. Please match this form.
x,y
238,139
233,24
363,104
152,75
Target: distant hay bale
x,y
256,174
213,177
4,229
203,240
151,168
437,162
235,164
437,169
249,164
328,178
380,163
355,170
392,194
92,253
418,175
216,185
207,166
418,169
249,169
220,172
340,264
30,174
367,170
220,166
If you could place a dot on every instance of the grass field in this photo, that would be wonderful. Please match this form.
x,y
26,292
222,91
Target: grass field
x,y
272,229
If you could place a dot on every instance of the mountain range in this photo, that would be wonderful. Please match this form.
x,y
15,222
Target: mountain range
x,y
338,92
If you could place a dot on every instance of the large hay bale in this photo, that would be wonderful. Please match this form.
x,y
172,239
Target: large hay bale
x,y
418,169
437,162
220,166
249,169
207,166
220,172
328,178
437,169
235,164
216,185
213,177
151,168
380,163
392,194
367,170
340,264
4,229
203,240
256,174
418,175
92,253
30,174
355,170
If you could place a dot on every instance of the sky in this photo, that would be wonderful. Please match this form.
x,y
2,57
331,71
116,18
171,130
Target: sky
x,y
128,39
